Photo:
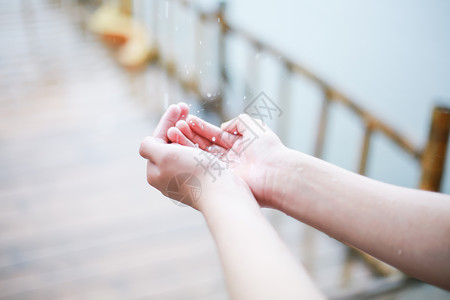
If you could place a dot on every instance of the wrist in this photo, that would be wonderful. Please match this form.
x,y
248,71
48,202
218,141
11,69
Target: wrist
x,y
289,177
280,168
227,193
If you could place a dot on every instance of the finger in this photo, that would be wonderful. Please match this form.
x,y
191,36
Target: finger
x,y
184,111
211,133
183,126
241,124
169,119
192,136
153,149
176,136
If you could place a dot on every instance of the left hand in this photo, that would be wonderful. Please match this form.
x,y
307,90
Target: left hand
x,y
175,170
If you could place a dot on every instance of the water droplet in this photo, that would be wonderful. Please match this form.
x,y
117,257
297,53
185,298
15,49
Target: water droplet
x,y
399,252
235,132
209,148
209,94
182,116
193,124
245,97
213,138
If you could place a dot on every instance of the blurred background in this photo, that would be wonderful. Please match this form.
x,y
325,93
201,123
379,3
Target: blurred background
x,y
364,85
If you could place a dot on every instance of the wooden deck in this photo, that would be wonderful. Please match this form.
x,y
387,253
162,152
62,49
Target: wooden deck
x,y
77,218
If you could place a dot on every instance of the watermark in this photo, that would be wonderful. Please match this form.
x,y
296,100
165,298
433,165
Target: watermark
x,y
185,188
261,110
247,132
210,164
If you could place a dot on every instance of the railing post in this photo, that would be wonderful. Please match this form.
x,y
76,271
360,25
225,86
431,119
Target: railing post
x,y
433,158
223,79
284,94
322,123
365,148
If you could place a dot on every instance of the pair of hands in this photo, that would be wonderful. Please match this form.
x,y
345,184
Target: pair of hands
x,y
242,150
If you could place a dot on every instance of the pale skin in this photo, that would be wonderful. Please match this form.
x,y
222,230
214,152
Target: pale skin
x,y
256,263
407,228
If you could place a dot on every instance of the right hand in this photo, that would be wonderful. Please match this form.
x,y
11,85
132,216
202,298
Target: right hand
x,y
252,150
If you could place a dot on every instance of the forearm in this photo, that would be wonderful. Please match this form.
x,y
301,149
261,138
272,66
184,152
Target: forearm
x,y
256,263
407,228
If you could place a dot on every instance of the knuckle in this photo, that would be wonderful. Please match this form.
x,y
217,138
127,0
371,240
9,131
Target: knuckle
x,y
143,149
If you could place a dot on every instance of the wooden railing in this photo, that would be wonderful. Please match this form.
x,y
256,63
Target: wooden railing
x,y
431,156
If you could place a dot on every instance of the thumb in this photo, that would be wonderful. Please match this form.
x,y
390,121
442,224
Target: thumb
x,y
152,149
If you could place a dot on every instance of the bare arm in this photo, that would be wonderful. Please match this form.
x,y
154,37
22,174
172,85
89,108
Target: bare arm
x,y
256,263
407,228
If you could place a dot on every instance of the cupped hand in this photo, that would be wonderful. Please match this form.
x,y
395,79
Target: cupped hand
x,y
172,115
174,170
246,145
